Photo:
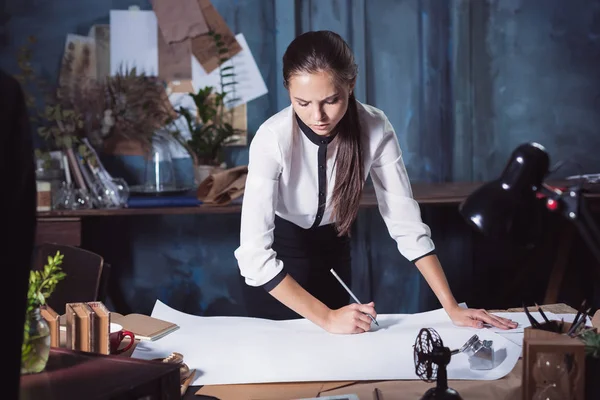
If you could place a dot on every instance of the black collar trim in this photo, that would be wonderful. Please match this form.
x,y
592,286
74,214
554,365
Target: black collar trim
x,y
317,139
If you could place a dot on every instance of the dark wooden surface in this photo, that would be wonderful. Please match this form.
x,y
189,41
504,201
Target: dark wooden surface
x,y
424,193
79,375
58,229
64,226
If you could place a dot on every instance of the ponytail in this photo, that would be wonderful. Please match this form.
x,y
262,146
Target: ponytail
x,y
349,179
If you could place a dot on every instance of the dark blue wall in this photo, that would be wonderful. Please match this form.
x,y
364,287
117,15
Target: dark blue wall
x,y
462,82
537,78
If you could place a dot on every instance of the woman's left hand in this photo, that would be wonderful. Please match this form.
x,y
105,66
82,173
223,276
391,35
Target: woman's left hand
x,y
477,318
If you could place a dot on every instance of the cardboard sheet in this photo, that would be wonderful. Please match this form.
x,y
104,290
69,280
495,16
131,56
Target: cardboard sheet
x,y
204,47
174,61
179,22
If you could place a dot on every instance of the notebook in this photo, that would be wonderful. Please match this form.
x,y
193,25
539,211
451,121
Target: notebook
x,y
144,326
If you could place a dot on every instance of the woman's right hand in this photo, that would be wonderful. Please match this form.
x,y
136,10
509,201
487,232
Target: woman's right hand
x,y
350,319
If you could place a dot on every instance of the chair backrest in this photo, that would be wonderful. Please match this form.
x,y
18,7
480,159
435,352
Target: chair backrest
x,y
103,288
83,271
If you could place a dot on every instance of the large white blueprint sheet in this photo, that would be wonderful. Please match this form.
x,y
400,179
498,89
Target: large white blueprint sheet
x,y
235,350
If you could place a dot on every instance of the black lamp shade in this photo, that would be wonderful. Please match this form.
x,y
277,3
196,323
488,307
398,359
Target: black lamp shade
x,y
504,207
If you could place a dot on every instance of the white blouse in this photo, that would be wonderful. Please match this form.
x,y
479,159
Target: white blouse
x,y
283,179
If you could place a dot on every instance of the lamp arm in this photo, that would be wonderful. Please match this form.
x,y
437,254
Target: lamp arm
x,y
588,228
549,191
574,206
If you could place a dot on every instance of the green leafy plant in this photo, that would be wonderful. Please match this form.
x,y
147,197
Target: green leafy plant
x,y
61,125
591,340
211,128
42,283
41,286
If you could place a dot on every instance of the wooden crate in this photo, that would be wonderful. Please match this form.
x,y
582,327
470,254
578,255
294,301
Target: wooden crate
x,y
555,352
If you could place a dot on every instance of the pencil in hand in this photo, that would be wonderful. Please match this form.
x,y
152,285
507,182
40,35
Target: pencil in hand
x,y
350,293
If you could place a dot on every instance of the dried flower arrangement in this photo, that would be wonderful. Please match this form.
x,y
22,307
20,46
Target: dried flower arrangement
x,y
128,105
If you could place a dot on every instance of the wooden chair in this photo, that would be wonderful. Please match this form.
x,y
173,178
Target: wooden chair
x,y
83,269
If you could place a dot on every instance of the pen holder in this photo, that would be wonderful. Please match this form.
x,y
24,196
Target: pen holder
x,y
553,364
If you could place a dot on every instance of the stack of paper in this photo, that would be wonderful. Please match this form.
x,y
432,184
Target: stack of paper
x,y
234,350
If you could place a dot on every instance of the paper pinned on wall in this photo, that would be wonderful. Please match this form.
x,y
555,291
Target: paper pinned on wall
x,y
250,83
204,47
133,41
78,63
101,35
236,350
174,62
181,22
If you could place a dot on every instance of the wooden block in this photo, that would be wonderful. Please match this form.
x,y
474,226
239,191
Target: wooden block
x,y
52,318
551,358
79,327
101,327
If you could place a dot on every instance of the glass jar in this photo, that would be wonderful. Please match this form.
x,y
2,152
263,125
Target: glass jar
x,y
36,343
159,174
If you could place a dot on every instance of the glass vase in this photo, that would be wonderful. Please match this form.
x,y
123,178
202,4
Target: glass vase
x,y
36,343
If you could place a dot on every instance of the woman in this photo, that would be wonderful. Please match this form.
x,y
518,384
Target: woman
x,y
307,168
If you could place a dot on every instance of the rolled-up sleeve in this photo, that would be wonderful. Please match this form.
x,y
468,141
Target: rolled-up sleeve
x,y
257,261
400,212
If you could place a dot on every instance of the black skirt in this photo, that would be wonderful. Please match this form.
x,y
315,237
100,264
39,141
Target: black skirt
x,y
307,255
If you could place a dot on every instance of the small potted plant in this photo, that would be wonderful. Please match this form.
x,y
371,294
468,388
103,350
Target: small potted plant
x,y
36,336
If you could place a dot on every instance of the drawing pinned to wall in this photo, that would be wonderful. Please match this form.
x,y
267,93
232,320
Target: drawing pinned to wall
x,y
101,35
174,65
177,27
79,61
177,24
250,83
203,46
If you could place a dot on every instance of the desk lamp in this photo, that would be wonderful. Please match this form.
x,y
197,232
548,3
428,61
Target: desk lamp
x,y
504,207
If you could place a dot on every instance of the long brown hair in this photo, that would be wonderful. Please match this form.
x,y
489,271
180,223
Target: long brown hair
x,y
319,51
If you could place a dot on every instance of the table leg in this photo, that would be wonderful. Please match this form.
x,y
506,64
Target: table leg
x,y
560,265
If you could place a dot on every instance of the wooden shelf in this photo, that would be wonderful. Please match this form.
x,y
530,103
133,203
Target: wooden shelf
x,y
436,193
424,193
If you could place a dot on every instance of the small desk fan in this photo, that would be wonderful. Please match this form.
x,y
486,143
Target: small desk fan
x,y
431,358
